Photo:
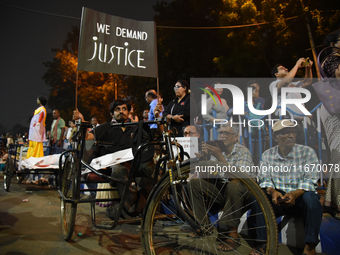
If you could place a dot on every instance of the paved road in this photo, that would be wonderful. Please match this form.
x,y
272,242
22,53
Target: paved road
x,y
33,227
30,224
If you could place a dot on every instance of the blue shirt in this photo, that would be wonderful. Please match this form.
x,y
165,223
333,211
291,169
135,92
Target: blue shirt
x,y
260,100
151,113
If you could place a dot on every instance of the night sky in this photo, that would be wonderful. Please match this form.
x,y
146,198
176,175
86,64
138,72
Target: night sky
x,y
29,30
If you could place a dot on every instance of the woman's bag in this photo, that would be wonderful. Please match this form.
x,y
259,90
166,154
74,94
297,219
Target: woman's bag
x,y
328,89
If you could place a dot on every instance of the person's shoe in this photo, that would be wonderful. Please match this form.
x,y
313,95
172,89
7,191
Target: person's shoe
x,y
112,211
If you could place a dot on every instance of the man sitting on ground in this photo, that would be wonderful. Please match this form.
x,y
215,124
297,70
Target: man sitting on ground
x,y
235,194
292,192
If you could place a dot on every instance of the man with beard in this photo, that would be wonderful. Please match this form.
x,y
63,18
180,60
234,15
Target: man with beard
x,y
120,138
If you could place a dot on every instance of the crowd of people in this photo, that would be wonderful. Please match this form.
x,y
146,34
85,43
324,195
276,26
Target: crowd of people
x,y
288,195
296,195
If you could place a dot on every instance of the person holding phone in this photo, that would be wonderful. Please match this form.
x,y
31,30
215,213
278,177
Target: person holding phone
x,y
234,197
287,177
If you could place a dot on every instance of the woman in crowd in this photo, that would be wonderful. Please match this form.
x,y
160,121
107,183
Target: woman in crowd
x,y
331,123
178,110
132,116
37,130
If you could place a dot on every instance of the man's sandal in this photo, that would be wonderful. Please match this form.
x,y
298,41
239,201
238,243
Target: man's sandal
x,y
259,250
229,244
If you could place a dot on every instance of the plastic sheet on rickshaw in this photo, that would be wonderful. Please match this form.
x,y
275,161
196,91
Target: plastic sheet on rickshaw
x,y
47,162
111,159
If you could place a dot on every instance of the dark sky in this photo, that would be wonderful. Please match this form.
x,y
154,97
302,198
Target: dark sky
x,y
29,32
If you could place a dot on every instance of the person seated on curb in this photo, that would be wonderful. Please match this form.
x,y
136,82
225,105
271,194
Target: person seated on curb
x,y
287,176
120,138
235,194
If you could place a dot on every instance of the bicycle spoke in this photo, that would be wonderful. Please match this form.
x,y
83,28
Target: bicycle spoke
x,y
159,238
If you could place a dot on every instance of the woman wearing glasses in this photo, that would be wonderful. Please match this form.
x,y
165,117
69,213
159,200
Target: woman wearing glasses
x,y
178,110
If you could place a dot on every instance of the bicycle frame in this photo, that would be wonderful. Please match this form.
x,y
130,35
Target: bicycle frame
x,y
169,158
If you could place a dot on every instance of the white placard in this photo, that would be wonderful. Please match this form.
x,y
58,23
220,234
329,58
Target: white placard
x,y
112,159
189,144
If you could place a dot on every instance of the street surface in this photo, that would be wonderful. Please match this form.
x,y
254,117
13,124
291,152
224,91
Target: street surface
x,y
30,224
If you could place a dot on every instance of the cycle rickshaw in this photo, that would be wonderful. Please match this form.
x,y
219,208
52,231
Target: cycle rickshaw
x,y
169,205
15,166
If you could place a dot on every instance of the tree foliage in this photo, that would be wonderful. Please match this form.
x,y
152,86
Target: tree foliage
x,y
95,91
268,32
186,53
279,34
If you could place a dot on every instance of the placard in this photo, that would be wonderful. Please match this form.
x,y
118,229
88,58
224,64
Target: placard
x,y
111,44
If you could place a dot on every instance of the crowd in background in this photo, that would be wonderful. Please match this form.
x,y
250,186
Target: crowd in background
x,y
59,137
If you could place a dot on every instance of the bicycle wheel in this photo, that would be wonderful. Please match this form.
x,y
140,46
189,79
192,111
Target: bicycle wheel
x,y
8,173
165,232
70,190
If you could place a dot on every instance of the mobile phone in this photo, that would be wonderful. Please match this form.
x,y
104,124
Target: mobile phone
x,y
217,143
221,145
213,143
282,200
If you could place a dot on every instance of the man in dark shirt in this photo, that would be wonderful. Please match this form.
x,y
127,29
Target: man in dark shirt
x,y
120,138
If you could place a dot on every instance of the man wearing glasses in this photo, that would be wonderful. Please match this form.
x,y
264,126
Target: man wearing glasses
x,y
235,194
191,131
289,180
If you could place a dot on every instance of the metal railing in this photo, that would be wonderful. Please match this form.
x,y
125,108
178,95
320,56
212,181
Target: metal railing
x,y
262,136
